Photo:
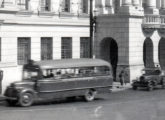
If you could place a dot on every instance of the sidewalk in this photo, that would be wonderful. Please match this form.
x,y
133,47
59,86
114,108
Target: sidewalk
x,y
117,87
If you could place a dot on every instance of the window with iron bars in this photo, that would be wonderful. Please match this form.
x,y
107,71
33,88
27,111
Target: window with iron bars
x,y
66,47
23,4
84,4
46,48
66,5
24,50
84,47
45,5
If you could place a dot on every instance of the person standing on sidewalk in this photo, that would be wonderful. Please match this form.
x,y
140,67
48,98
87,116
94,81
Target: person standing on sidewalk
x,y
122,77
1,77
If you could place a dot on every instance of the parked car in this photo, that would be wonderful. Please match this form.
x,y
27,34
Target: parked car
x,y
51,79
150,79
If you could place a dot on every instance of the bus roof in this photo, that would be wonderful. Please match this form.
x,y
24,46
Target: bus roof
x,y
71,63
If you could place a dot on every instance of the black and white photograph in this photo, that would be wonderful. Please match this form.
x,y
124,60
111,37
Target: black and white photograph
x,y
82,59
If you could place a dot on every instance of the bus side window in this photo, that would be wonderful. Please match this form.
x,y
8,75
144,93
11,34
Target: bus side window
x,y
48,73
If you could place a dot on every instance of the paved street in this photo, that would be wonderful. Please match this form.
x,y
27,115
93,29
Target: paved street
x,y
119,105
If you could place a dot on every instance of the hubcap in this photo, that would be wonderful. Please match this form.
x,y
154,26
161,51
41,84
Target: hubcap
x,y
26,98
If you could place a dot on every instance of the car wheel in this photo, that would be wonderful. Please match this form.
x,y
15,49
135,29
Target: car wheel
x,y
12,102
90,95
134,87
26,99
163,86
150,88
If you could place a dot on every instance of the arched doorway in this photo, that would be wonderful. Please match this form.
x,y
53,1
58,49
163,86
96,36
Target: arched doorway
x,y
109,52
148,53
162,53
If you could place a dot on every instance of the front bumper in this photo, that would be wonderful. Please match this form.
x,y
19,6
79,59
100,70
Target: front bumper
x,y
140,84
11,93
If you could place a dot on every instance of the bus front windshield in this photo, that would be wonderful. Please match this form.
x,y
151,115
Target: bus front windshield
x,y
30,75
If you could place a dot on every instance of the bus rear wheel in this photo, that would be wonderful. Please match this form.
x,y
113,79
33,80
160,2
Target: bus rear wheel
x,y
90,95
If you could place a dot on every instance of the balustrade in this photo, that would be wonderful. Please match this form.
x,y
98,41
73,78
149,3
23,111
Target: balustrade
x,y
154,19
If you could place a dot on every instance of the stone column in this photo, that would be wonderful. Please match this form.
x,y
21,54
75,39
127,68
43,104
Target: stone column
x,y
136,2
99,6
109,7
162,4
162,10
151,3
126,2
151,7
131,7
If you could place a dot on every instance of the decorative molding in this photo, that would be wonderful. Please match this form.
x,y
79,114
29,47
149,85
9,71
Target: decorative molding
x,y
148,30
7,10
8,64
161,31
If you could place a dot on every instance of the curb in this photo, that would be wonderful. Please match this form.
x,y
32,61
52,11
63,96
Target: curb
x,y
117,87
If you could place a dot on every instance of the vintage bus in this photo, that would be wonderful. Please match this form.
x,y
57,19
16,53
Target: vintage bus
x,y
51,79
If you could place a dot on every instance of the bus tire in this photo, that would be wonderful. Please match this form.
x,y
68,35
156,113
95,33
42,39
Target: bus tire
x,y
26,99
90,95
150,88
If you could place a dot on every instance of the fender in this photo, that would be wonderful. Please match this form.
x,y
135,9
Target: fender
x,y
29,91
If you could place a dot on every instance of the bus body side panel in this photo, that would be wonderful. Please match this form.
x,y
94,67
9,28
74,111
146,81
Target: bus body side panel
x,y
73,87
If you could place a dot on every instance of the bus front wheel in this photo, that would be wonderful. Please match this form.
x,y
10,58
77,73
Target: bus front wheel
x,y
26,99
90,95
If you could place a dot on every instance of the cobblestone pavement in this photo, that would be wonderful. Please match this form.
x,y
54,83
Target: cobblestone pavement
x,y
121,104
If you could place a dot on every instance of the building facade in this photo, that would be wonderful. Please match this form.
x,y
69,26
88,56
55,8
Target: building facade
x,y
41,30
130,34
